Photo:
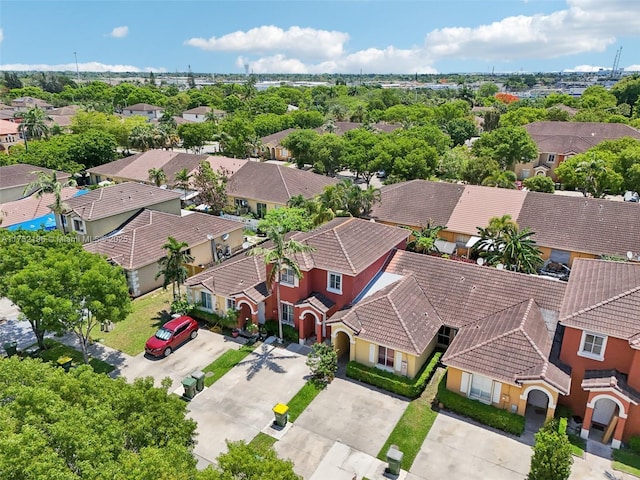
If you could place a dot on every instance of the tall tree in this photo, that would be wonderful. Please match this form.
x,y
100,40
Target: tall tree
x,y
34,124
157,176
211,186
46,183
172,265
183,180
280,256
507,146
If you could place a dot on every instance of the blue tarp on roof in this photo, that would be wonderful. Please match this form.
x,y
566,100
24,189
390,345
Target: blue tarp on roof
x,y
45,222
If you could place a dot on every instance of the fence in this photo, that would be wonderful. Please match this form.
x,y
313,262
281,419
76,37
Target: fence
x,y
251,223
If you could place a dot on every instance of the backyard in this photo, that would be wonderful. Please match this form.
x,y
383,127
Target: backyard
x,y
149,312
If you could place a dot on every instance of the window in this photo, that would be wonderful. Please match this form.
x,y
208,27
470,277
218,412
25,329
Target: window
x,y
262,209
481,388
205,300
445,335
231,304
592,346
287,313
525,173
551,158
287,277
334,283
78,225
385,356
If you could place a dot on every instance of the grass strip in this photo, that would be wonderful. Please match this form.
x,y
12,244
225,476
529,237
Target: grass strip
x,y
55,350
224,363
627,461
262,441
414,424
302,399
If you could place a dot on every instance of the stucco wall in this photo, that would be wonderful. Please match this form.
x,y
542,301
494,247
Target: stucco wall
x,y
362,355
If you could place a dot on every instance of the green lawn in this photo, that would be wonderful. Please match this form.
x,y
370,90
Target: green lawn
x,y
262,441
578,445
224,363
302,399
414,425
56,350
149,313
627,461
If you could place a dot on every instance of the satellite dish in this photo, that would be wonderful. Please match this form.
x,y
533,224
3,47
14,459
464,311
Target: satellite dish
x,y
480,261
246,245
500,266
225,237
630,255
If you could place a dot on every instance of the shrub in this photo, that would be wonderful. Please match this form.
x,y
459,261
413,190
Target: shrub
x,y
323,363
634,444
483,413
289,333
551,453
407,387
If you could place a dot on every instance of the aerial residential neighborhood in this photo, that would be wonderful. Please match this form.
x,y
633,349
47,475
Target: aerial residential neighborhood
x,y
320,241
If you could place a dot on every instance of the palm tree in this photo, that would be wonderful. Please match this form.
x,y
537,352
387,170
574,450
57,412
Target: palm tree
x,y
33,124
183,179
297,201
501,179
329,126
46,183
424,240
492,233
172,266
280,256
318,213
368,198
157,176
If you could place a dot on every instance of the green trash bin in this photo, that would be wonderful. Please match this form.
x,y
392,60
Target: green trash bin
x,y
189,385
65,362
11,348
199,376
394,459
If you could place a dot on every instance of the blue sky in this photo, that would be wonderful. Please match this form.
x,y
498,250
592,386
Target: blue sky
x,y
316,36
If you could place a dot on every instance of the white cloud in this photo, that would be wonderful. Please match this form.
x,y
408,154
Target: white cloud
x,y
632,68
1,35
585,69
119,32
583,26
269,39
83,67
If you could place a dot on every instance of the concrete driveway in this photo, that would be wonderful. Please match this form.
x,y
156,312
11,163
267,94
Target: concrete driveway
x,y
190,356
239,405
456,448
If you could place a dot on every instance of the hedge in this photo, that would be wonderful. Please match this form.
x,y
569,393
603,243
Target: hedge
x,y
289,333
210,318
483,413
407,387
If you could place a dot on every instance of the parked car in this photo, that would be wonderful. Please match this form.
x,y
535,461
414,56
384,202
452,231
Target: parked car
x,y
555,270
171,335
630,196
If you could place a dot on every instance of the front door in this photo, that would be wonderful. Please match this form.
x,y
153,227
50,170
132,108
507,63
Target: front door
x,y
603,411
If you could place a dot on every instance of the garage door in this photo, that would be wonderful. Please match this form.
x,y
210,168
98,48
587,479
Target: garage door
x,y
560,256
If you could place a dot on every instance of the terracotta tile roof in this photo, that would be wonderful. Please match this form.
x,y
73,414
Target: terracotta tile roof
x,y
143,107
477,205
135,167
69,110
30,207
348,245
582,224
604,297
463,293
178,120
139,242
272,183
318,301
609,380
29,102
576,137
120,198
227,164
417,202
274,139
243,273
21,175
510,345
344,127
8,128
399,316
198,110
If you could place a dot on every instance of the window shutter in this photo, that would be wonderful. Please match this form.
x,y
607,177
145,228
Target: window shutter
x,y
397,364
372,353
497,389
464,382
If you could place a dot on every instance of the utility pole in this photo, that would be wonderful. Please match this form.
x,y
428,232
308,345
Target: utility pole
x,y
75,54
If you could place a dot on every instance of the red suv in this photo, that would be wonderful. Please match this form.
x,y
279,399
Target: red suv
x,y
172,334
